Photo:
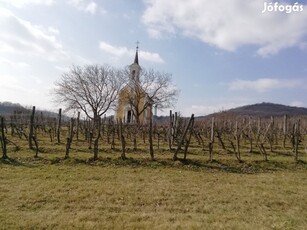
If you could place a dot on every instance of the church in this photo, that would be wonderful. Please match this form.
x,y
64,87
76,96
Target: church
x,y
134,105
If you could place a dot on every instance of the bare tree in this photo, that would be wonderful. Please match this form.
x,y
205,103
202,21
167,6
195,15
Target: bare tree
x,y
151,89
92,89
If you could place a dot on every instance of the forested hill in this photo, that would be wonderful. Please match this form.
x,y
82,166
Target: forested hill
x,y
9,108
256,110
263,110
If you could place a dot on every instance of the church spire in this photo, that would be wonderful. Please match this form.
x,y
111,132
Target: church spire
x,y
136,59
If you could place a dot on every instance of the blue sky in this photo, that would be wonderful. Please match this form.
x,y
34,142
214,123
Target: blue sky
x,y
221,54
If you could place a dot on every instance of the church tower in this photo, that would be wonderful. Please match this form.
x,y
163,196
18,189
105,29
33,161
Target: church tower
x,y
132,97
135,67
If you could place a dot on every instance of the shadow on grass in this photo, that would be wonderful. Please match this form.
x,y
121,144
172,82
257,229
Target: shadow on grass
x,y
215,165
11,161
301,162
229,166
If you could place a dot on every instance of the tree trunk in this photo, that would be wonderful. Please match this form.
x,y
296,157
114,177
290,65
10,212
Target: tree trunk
x,y
97,127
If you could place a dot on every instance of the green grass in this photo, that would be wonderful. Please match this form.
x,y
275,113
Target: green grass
x,y
49,192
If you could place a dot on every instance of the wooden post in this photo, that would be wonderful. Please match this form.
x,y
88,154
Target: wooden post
x,y
211,141
31,128
271,134
188,140
183,137
175,127
237,135
77,126
250,135
170,131
296,139
151,150
122,138
258,131
3,140
69,138
36,146
285,130
58,129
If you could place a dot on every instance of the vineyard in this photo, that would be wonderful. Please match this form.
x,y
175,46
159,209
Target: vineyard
x,y
180,173
179,138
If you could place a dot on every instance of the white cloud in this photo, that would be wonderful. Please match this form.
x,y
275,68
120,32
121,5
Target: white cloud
x,y
227,24
27,90
202,110
23,3
124,51
11,63
116,51
10,82
148,56
264,84
85,6
19,36
53,30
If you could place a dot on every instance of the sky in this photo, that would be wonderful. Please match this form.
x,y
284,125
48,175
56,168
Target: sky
x,y
221,53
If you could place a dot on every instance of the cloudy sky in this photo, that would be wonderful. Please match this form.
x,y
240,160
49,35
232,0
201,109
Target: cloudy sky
x,y
221,54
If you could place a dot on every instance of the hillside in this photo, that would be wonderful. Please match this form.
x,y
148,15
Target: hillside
x,y
264,109
9,108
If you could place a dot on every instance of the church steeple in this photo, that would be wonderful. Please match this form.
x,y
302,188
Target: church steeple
x,y
135,67
136,59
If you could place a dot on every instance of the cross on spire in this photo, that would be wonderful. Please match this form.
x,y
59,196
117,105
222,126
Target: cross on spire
x,y
137,45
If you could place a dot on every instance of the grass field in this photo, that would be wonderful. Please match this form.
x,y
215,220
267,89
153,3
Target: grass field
x,y
51,193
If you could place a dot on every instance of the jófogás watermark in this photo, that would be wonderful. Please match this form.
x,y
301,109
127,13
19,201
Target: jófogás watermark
x,y
279,7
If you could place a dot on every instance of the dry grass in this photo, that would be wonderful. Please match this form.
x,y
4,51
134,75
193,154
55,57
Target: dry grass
x,y
52,193
139,194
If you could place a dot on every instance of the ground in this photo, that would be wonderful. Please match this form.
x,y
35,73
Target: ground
x,y
49,192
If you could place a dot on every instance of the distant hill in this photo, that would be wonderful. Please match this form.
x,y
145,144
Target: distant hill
x,y
9,108
264,109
